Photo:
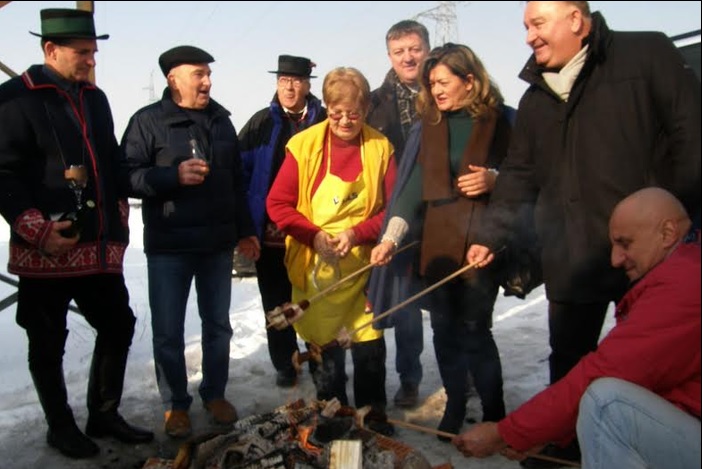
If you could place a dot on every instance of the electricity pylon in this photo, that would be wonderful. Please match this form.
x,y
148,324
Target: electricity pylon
x,y
150,88
445,21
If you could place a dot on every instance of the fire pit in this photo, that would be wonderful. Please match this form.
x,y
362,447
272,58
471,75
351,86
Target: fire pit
x,y
296,436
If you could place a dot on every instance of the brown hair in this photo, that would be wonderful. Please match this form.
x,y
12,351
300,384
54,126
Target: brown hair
x,y
485,96
342,82
405,28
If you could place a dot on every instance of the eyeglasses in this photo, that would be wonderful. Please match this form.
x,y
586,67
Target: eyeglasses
x,y
295,81
338,115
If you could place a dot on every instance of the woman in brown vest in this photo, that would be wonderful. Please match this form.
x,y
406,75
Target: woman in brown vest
x,y
443,185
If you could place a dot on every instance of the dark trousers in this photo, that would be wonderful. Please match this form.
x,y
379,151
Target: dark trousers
x,y
574,331
275,289
461,318
103,301
368,374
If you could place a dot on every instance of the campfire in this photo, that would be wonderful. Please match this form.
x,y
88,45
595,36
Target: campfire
x,y
319,435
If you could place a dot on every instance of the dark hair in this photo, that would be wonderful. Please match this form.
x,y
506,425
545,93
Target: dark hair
x,y
484,98
405,28
59,41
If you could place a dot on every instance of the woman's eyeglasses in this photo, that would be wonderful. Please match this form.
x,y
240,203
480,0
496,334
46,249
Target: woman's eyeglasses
x,y
337,116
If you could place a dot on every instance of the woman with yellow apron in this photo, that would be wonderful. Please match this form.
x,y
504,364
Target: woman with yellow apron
x,y
329,198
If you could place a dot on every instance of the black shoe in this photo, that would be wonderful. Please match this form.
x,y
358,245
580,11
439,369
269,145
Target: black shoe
x,y
377,420
71,442
385,428
569,453
112,424
286,378
407,396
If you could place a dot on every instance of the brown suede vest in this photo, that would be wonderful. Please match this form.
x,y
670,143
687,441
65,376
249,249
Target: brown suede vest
x,y
451,218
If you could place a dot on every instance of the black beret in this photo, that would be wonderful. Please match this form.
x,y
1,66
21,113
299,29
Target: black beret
x,y
183,55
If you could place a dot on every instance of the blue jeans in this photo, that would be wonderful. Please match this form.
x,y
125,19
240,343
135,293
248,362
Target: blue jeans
x,y
621,424
409,344
461,318
170,277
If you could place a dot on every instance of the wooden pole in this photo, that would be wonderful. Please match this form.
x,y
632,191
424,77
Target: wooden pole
x,y
7,70
431,431
88,6
415,297
304,304
355,274
4,67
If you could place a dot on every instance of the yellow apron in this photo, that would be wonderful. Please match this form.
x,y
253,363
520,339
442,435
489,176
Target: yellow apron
x,y
336,206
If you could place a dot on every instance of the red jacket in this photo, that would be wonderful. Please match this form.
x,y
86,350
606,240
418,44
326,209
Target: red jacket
x,y
655,344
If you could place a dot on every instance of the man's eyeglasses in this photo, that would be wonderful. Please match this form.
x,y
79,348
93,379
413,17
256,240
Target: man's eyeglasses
x,y
352,116
295,81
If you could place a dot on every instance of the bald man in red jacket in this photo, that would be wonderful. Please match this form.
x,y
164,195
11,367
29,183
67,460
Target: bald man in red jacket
x,y
636,399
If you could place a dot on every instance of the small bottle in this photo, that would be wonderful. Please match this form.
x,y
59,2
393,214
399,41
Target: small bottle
x,y
196,153
195,150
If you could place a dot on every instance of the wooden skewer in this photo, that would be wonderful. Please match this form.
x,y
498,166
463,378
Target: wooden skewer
x,y
355,274
419,295
420,428
304,304
542,457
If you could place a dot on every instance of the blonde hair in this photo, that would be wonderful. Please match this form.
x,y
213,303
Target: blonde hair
x,y
483,98
344,82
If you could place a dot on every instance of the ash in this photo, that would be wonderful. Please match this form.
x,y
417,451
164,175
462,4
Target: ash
x,y
296,436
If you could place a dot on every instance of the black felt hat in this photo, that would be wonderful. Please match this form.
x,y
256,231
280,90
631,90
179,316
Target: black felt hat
x,y
65,23
295,66
183,55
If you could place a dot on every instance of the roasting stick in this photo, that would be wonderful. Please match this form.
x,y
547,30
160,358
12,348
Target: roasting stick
x,y
543,457
420,294
304,304
353,275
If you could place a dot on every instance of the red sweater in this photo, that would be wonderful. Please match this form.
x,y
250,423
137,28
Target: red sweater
x,y
346,164
655,344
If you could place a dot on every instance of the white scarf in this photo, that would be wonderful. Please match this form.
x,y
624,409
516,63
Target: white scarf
x,y
562,82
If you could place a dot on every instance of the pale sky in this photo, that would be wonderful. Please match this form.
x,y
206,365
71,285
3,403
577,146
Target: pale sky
x,y
246,38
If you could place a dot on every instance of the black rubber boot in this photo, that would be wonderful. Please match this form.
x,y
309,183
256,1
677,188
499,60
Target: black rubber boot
x,y
104,396
63,433
369,373
330,377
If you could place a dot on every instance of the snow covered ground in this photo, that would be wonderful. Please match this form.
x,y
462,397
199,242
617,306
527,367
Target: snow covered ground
x,y
520,329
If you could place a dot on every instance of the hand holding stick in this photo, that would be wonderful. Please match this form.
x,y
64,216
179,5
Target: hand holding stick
x,y
415,297
419,428
285,315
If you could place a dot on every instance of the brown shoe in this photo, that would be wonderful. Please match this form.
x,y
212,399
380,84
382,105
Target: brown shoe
x,y
177,423
407,396
222,411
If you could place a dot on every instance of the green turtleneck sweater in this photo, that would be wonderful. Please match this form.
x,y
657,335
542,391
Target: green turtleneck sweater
x,y
409,200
